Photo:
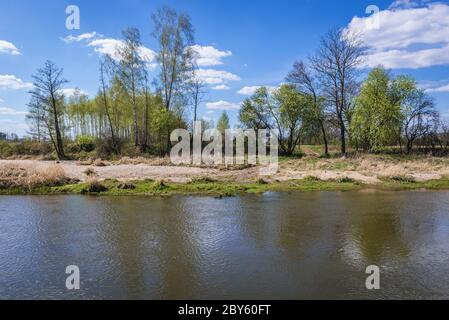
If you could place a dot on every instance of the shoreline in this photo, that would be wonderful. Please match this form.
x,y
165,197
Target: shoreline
x,y
152,188
153,177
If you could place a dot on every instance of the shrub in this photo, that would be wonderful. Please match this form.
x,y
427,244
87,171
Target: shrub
x,y
86,143
94,186
89,172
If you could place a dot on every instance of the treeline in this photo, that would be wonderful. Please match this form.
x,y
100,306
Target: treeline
x,y
129,108
324,97
324,100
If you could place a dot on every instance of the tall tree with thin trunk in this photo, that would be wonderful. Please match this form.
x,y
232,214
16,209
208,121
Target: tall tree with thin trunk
x,y
107,111
197,91
130,71
47,103
336,62
174,34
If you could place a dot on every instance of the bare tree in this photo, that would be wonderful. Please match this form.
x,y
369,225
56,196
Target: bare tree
x,y
47,103
104,95
302,76
336,64
197,91
420,117
35,120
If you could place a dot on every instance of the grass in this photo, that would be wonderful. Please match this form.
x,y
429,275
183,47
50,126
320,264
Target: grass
x,y
219,189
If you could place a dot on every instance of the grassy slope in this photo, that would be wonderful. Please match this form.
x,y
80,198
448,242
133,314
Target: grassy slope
x,y
223,189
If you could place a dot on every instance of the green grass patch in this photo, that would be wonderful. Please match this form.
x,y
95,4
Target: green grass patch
x,y
224,189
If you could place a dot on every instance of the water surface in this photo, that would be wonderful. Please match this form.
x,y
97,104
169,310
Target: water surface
x,y
270,246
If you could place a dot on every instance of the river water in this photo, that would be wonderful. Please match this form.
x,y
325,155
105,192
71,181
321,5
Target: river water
x,y
269,246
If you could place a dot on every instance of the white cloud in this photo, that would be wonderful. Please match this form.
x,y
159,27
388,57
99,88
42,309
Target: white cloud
x,y
216,77
207,119
249,91
438,88
109,47
1,100
221,87
13,83
406,4
71,92
409,36
11,112
106,46
209,56
8,47
81,37
222,105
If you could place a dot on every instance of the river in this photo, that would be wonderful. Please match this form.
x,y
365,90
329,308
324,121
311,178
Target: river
x,y
270,246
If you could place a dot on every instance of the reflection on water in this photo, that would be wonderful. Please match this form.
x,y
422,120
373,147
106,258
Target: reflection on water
x,y
270,246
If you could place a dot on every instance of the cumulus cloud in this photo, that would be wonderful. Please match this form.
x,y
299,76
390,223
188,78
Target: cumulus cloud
x,y
216,77
110,46
11,82
249,91
81,37
222,105
439,89
406,4
221,87
11,112
70,92
410,36
435,86
209,56
8,47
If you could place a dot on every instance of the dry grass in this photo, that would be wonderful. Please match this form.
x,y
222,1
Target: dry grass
x,y
154,161
12,176
90,172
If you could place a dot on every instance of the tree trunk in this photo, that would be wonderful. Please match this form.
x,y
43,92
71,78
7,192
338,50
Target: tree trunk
x,y
343,137
326,146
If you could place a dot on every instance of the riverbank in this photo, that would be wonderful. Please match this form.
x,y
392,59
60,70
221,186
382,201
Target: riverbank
x,y
145,177
220,189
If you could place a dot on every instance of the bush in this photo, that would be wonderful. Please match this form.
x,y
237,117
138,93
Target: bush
x,y
86,143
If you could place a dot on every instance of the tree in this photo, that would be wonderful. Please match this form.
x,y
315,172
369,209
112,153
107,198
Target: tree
x,y
197,92
302,76
105,102
377,115
283,110
47,103
289,116
130,70
223,123
174,34
419,117
336,64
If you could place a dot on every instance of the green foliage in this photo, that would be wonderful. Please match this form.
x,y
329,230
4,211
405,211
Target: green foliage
x,y
286,110
377,117
223,123
85,143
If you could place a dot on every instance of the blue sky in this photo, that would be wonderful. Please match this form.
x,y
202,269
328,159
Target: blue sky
x,y
243,43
